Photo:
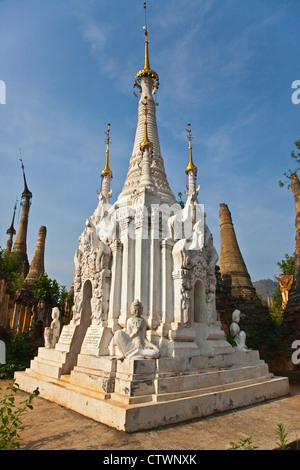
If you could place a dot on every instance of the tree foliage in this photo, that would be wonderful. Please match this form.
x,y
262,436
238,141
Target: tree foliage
x,y
53,294
49,290
296,158
246,444
267,336
287,265
180,200
10,417
20,349
10,265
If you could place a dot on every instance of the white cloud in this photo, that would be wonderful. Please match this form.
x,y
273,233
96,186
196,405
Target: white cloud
x,y
97,35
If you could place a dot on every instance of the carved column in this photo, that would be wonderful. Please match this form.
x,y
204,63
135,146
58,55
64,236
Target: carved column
x,y
177,319
115,287
142,259
167,285
155,284
127,276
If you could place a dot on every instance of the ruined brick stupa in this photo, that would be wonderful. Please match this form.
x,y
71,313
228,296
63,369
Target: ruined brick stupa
x,y
145,347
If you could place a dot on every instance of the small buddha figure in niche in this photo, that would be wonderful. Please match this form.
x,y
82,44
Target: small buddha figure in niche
x,y
132,343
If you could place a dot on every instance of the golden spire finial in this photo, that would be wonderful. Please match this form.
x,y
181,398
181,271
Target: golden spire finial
x,y
107,171
145,9
146,71
190,166
146,142
146,61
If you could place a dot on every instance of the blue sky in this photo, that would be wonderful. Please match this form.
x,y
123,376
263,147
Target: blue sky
x,y
227,67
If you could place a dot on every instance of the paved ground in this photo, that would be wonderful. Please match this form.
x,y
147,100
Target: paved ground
x,y
51,427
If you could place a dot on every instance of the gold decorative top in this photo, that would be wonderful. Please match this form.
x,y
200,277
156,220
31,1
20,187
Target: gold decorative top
x,y
190,166
107,171
146,142
146,71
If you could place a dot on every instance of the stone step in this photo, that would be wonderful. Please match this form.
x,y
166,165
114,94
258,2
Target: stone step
x,y
47,360
96,372
65,382
165,397
102,363
52,355
94,380
132,385
179,383
119,414
203,362
207,370
213,389
46,367
69,384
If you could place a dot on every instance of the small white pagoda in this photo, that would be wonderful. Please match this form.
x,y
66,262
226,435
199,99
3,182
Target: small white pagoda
x,y
145,346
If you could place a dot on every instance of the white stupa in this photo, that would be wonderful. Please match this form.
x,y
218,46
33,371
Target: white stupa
x,y
145,345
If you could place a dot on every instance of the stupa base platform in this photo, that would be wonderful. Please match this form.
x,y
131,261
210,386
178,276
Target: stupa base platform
x,y
133,394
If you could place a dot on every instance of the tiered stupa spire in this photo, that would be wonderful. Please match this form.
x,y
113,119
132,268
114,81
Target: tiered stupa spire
x,y
191,169
20,245
232,264
106,173
37,267
146,149
147,82
235,275
11,232
146,71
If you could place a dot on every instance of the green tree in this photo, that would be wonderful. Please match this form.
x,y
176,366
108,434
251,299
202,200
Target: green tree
x,y
287,266
20,349
292,181
10,265
52,293
49,290
180,200
296,158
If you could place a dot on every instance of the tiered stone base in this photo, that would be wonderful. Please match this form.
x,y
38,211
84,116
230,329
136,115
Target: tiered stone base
x,y
132,395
